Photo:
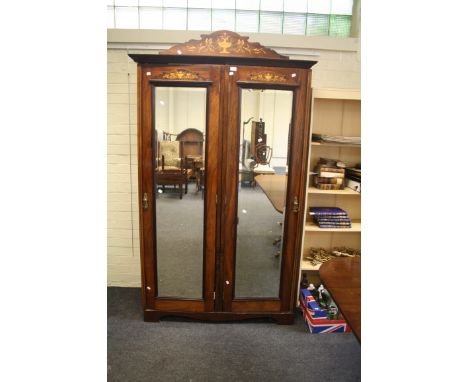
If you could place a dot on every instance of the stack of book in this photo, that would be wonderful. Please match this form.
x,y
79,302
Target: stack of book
x,y
330,217
353,179
328,176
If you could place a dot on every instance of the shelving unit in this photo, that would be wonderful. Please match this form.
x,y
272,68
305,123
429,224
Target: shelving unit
x,y
334,112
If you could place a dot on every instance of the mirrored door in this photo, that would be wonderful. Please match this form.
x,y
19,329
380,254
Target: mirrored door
x,y
179,138
266,116
263,186
180,186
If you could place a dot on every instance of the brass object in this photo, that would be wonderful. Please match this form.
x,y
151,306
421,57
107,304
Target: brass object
x,y
223,43
145,201
296,205
321,255
179,74
267,77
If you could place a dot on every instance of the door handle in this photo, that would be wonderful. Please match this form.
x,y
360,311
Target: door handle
x,y
295,205
145,201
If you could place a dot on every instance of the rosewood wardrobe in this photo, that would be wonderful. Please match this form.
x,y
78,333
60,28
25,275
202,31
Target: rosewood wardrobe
x,y
227,246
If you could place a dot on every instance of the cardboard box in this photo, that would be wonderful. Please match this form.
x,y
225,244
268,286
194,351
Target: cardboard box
x,y
317,323
312,305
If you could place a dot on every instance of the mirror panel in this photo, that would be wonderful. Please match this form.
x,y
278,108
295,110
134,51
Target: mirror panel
x,y
178,147
263,170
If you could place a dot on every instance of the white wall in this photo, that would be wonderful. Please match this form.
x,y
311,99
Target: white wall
x,y
338,67
274,107
178,109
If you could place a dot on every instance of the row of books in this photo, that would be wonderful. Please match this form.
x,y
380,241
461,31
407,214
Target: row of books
x,y
330,217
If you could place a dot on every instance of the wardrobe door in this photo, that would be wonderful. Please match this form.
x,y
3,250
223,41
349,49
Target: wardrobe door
x,y
263,187
179,142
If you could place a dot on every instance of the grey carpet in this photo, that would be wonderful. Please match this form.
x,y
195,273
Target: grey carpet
x,y
257,350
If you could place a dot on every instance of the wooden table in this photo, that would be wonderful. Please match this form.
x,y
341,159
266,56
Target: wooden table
x,y
171,177
274,187
342,278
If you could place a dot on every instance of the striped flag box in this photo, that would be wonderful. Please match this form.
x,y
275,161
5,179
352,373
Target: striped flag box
x,y
312,305
320,325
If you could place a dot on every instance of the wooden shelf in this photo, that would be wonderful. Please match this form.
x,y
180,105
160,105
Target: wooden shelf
x,y
355,227
345,191
307,266
330,144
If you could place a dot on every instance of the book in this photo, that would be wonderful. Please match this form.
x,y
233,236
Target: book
x,y
332,219
345,222
321,168
332,211
325,186
335,224
331,226
327,180
326,174
330,216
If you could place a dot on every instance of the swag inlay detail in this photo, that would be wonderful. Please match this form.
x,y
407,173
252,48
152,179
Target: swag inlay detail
x,y
268,77
223,43
180,74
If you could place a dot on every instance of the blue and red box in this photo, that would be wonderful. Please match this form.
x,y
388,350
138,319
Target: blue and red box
x,y
316,318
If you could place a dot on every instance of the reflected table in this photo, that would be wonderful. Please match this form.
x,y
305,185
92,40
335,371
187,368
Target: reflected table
x,y
342,278
274,187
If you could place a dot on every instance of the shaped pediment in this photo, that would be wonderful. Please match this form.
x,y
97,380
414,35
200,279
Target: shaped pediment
x,y
223,43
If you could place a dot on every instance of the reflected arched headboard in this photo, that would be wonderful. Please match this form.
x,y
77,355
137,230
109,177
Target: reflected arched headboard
x,y
191,143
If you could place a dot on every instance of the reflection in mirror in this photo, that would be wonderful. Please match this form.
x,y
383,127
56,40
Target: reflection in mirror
x,y
263,169
178,147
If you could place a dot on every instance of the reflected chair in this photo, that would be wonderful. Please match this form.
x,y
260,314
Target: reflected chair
x,y
170,168
191,149
263,154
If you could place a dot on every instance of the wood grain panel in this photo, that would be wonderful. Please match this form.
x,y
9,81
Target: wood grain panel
x,y
246,306
267,76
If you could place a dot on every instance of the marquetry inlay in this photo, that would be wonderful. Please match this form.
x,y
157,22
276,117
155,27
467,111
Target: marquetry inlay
x,y
180,74
267,77
224,43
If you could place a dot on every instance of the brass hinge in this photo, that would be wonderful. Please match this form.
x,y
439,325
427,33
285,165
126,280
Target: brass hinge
x,y
214,295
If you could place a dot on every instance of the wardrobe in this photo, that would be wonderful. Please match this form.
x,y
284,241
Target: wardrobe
x,y
222,249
